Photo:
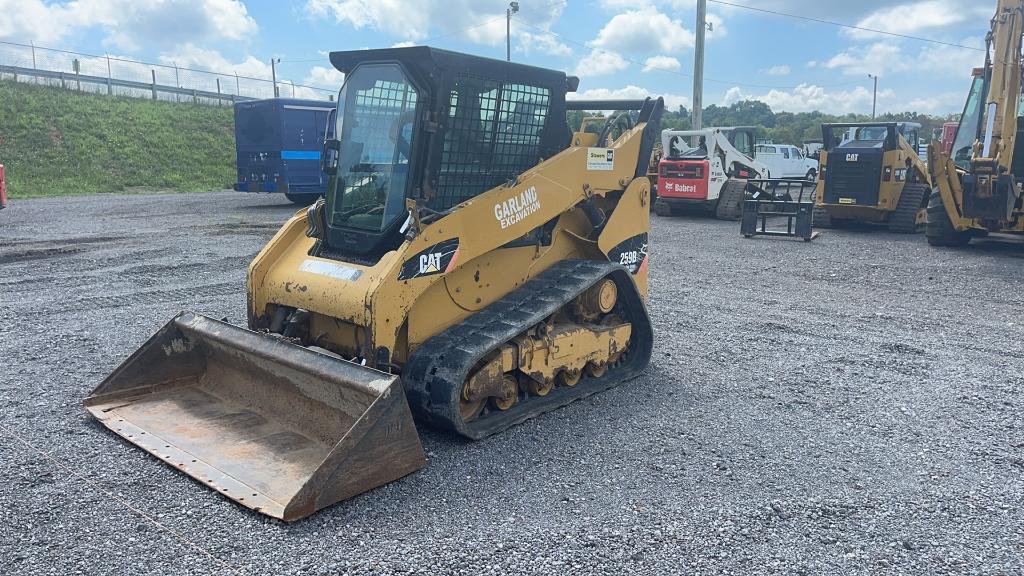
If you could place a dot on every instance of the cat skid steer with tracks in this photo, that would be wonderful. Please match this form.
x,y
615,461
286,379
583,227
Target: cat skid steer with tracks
x,y
474,265
871,172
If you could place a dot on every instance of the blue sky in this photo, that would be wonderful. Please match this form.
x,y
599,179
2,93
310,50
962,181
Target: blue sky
x,y
619,48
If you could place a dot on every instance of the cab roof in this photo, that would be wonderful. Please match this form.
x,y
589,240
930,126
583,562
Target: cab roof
x,y
426,58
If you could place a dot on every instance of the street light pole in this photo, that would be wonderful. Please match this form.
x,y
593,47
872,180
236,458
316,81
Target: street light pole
x,y
513,7
698,66
273,75
874,95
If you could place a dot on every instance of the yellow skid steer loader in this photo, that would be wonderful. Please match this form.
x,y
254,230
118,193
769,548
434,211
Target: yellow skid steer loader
x,y
474,264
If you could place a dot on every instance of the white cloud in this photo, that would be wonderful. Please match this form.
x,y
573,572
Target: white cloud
x,y
732,96
938,103
951,61
323,77
848,11
878,58
643,32
885,57
600,62
471,20
808,98
688,7
192,56
630,92
25,20
404,44
922,16
780,70
128,25
617,5
661,63
718,29
528,42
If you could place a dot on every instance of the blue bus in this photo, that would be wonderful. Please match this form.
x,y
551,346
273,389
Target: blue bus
x,y
278,143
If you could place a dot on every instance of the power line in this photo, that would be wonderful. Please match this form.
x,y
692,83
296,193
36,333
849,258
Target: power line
x,y
676,72
843,25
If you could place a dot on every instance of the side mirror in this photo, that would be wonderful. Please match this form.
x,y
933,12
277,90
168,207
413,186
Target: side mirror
x,y
329,155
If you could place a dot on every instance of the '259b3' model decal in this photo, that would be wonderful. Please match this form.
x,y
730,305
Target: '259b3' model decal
x,y
437,259
631,253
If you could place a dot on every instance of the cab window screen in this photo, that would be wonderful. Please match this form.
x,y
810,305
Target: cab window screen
x,y
493,134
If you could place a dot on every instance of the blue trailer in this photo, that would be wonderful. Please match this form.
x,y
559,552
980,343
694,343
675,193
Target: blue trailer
x,y
278,143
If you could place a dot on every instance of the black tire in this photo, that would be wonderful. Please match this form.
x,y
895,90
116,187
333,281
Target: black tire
x,y
820,218
811,175
730,200
661,208
302,199
904,219
939,230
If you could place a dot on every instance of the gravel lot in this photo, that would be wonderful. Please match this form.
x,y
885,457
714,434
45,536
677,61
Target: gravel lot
x,y
847,406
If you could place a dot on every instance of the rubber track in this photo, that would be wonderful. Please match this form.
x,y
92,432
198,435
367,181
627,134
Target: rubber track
x,y
820,218
730,200
903,220
435,374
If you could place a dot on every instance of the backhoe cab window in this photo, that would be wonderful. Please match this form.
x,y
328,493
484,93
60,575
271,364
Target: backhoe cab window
x,y
967,132
375,126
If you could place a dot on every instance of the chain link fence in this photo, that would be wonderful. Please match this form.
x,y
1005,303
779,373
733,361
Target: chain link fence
x,y
104,74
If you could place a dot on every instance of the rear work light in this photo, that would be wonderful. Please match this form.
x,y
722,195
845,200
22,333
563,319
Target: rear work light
x,y
887,174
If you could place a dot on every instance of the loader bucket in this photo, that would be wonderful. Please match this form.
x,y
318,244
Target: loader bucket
x,y
277,427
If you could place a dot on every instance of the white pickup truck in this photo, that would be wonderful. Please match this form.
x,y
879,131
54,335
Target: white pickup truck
x,y
785,161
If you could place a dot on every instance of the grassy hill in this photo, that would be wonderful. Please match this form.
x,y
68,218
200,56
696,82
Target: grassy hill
x,y
56,142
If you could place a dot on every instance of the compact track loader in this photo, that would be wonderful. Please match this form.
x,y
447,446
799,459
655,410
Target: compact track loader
x,y
871,172
474,264
707,169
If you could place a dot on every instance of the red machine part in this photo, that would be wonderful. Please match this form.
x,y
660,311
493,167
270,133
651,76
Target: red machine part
x,y
3,187
948,134
686,179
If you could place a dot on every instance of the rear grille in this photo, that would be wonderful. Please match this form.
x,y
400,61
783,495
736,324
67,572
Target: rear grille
x,y
683,171
857,180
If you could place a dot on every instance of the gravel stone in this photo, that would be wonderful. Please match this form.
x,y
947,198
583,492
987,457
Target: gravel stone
x,y
846,406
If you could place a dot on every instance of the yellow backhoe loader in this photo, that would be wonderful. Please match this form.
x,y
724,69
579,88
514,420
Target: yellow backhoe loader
x,y
474,264
978,189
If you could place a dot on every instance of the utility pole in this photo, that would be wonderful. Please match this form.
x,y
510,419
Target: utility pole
x,y
698,66
273,74
513,7
874,95
110,87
